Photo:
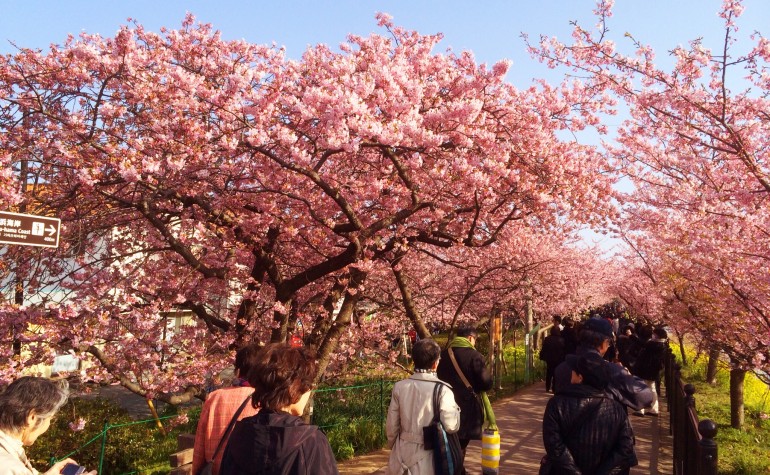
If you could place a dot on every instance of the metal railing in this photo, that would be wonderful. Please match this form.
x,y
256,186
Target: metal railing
x,y
695,447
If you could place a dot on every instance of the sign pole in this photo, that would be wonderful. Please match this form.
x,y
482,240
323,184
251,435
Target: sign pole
x,y
18,297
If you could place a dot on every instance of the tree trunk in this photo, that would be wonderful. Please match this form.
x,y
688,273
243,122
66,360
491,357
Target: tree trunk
x,y
491,347
530,322
411,310
281,332
680,337
341,322
713,366
736,398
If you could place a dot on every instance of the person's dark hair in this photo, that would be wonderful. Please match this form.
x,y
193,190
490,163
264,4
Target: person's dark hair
x,y
661,333
281,374
27,394
245,358
645,332
465,332
557,319
593,369
424,353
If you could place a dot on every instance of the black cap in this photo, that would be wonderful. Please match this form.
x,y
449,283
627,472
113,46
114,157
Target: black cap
x,y
599,325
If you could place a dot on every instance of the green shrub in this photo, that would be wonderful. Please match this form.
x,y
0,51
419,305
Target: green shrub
x,y
358,436
129,447
352,417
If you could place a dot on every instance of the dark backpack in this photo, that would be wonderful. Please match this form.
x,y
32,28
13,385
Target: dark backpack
x,y
447,451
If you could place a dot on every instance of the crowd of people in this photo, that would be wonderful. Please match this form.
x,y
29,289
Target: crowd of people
x,y
596,371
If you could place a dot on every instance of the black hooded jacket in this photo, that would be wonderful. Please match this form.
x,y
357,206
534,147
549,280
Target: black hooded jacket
x,y
629,390
586,432
650,362
277,443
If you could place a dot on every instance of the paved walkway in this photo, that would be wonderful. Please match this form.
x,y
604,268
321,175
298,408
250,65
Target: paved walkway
x,y
520,419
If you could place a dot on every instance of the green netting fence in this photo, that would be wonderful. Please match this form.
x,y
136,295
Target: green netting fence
x,y
129,436
353,418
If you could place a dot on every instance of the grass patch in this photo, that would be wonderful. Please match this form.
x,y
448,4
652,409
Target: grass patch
x,y
741,452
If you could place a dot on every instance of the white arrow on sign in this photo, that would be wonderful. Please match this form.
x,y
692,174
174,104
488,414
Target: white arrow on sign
x,y
51,230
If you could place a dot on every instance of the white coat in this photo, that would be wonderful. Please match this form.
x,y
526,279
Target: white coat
x,y
13,460
411,409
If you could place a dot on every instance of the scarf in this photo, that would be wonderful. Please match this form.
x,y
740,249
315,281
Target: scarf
x,y
486,406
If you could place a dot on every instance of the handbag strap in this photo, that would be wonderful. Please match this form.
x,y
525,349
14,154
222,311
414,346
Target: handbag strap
x,y
436,402
230,426
459,371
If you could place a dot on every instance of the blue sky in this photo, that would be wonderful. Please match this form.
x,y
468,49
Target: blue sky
x,y
489,28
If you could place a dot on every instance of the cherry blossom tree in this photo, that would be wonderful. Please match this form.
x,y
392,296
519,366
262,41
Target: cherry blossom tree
x,y
258,193
695,146
464,285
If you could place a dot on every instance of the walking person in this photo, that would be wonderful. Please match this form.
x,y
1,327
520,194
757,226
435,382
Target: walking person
x,y
625,343
570,335
552,352
465,370
648,366
218,410
276,441
584,429
411,409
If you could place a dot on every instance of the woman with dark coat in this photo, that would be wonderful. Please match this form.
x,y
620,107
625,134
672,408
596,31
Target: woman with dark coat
x,y
553,354
276,441
584,430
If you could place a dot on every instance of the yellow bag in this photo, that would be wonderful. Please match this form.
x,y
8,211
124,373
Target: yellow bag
x,y
490,452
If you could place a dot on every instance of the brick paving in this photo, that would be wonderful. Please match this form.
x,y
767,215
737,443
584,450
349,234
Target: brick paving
x,y
520,418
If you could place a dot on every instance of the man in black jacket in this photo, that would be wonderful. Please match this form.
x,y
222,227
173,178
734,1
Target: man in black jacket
x,y
552,352
584,430
595,337
471,363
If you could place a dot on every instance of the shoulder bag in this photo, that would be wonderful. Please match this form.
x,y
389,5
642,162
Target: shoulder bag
x,y
447,451
208,469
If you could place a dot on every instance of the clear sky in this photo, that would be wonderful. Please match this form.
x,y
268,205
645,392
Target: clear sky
x,y
491,29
